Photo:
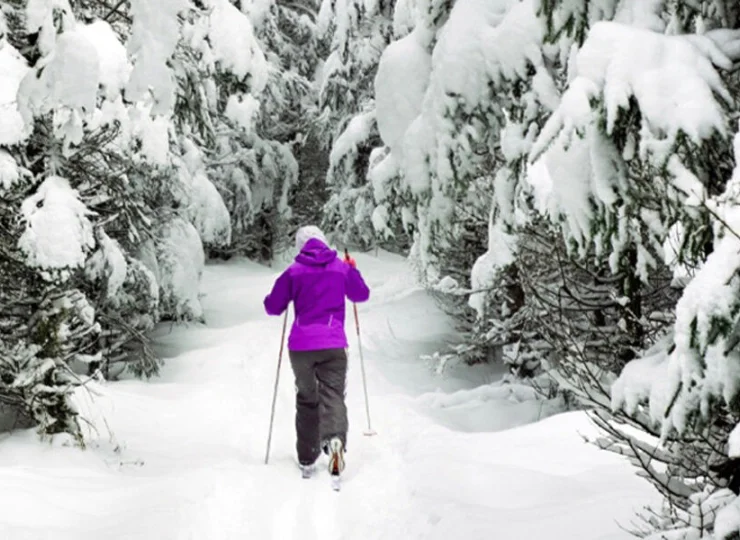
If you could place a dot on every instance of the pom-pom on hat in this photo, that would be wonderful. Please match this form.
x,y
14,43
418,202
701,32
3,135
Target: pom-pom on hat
x,y
305,234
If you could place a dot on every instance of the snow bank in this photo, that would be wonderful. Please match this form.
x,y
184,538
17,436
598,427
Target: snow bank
x,y
58,234
489,407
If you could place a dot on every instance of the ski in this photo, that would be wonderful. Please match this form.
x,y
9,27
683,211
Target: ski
x,y
307,471
336,482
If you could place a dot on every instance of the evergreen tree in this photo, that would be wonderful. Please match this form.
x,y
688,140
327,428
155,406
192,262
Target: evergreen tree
x,y
134,142
357,32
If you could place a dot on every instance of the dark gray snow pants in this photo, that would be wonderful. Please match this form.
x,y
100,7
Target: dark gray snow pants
x,y
320,378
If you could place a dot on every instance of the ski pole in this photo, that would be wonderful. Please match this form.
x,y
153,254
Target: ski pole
x,y
277,379
369,431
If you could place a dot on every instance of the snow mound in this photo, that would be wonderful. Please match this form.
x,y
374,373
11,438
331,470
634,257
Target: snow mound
x,y
489,407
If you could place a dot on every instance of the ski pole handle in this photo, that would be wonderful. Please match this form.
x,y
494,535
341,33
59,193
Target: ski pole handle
x,y
349,260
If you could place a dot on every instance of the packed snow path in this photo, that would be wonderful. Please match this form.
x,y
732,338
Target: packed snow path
x,y
185,457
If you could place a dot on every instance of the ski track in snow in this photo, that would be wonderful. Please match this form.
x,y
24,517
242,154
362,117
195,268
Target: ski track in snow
x,y
184,458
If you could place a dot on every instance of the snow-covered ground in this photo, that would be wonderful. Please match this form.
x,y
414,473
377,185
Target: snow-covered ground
x,y
181,457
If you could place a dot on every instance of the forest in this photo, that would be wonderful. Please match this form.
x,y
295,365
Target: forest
x,y
562,175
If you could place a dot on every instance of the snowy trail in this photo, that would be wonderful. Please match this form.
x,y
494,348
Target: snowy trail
x,y
185,460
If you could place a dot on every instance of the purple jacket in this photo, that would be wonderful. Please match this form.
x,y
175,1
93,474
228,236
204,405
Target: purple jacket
x,y
317,283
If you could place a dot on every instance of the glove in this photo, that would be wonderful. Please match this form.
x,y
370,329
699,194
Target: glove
x,y
349,260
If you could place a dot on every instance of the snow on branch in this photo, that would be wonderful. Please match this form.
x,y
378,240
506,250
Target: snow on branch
x,y
58,234
664,74
13,128
702,366
234,45
9,173
155,33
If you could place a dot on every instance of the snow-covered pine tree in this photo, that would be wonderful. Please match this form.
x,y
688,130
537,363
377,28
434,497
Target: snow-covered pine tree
x,y
113,124
684,390
358,32
445,92
290,112
662,178
481,129
564,127
260,120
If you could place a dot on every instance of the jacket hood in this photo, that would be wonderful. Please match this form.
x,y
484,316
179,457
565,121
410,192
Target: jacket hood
x,y
316,253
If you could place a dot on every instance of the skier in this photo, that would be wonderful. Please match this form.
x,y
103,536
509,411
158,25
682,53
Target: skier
x,y
317,284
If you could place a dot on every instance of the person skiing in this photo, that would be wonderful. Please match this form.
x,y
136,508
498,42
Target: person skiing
x,y
317,283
